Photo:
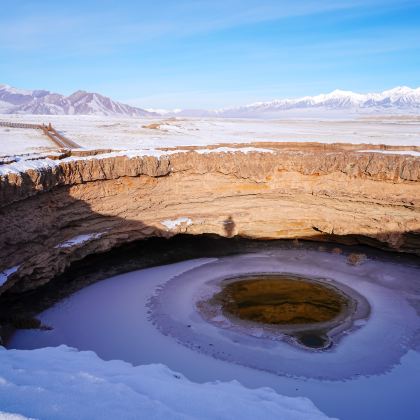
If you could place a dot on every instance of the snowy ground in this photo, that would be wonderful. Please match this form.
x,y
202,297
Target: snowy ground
x,y
22,140
61,383
373,373
135,133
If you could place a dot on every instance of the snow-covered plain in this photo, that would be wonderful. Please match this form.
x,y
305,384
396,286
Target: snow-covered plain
x,y
133,133
115,312
22,140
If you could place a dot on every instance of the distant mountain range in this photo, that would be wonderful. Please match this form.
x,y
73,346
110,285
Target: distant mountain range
x,y
398,100
19,101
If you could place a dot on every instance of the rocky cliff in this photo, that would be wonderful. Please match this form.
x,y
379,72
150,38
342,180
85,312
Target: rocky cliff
x,y
53,216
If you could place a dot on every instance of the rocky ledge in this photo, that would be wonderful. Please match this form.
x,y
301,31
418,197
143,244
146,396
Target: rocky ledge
x,y
53,216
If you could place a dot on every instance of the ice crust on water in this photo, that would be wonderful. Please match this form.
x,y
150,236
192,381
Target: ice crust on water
x,y
62,383
113,313
392,324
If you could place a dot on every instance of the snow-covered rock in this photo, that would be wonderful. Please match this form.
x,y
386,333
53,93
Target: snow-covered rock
x,y
62,383
234,150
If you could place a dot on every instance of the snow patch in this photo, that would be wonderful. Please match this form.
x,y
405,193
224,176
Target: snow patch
x,y
234,150
12,416
172,224
79,239
5,274
392,152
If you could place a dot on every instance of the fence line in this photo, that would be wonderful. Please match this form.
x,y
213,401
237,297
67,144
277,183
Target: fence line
x,y
48,130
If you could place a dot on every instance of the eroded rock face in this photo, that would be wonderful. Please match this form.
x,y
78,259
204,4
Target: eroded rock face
x,y
51,217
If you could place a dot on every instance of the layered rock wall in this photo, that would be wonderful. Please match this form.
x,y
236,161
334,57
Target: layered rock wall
x,y
51,217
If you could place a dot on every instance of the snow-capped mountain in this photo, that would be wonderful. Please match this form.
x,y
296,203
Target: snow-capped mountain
x,y
19,101
399,99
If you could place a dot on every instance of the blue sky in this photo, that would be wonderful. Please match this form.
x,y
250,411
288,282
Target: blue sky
x,y
209,53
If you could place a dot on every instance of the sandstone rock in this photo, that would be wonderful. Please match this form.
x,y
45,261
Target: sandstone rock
x,y
343,196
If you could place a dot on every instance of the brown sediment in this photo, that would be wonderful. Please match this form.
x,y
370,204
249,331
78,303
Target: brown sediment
x,y
280,299
312,313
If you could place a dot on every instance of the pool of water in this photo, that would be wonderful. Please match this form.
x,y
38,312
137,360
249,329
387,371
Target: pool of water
x,y
280,300
304,309
150,316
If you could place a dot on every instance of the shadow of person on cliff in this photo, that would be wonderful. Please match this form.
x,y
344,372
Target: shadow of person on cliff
x,y
229,226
